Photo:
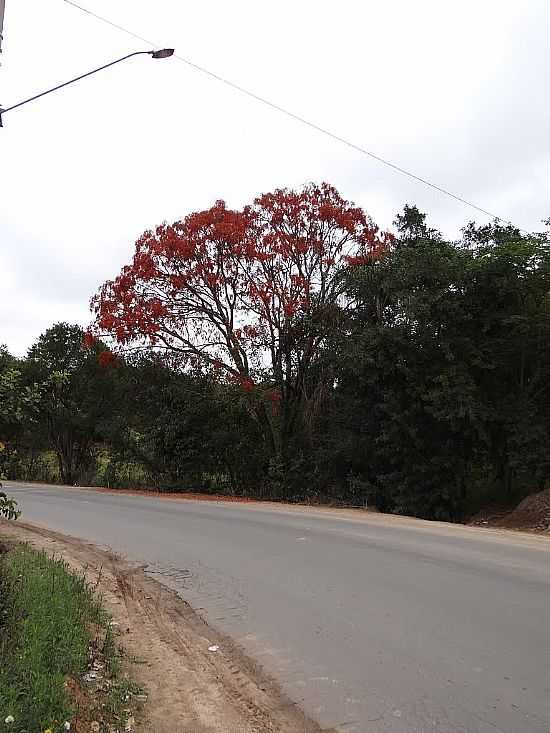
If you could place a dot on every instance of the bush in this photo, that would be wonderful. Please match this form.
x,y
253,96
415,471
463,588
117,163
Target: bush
x,y
8,507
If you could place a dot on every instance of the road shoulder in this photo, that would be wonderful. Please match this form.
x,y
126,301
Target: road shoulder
x,y
196,678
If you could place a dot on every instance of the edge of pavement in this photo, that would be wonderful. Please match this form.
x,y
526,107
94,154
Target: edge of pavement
x,y
530,538
190,686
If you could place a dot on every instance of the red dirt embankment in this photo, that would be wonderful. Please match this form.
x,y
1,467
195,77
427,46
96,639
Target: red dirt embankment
x,y
532,514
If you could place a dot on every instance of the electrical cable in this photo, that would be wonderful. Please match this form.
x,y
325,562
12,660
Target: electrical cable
x,y
297,118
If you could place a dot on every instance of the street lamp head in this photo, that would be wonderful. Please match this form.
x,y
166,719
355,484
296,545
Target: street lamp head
x,y
163,53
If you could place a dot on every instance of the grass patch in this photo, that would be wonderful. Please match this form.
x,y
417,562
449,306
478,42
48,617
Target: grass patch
x,y
54,637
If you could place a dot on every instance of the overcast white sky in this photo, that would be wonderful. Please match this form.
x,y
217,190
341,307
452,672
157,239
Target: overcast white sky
x,y
456,92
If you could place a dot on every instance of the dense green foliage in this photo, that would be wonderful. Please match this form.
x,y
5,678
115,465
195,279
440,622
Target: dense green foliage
x,y
445,366
429,393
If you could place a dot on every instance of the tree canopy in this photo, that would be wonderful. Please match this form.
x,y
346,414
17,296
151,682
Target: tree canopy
x,y
250,293
291,349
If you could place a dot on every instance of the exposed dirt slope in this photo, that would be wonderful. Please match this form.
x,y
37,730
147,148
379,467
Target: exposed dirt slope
x,y
191,689
533,513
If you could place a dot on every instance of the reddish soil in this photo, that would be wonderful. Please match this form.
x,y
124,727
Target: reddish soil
x,y
531,514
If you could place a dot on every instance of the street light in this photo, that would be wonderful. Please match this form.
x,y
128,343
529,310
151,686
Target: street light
x,y
162,53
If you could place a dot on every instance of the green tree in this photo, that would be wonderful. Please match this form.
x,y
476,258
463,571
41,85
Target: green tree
x,y
76,389
14,403
507,297
412,228
443,369
18,407
185,428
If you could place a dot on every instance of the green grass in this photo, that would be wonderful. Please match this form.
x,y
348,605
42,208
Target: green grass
x,y
50,618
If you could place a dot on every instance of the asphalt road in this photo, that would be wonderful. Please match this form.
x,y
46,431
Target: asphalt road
x,y
370,623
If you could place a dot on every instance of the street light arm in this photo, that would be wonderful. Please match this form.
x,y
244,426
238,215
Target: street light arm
x,y
72,81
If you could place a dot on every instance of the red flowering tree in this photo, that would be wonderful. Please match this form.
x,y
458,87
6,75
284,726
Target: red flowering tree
x,y
248,293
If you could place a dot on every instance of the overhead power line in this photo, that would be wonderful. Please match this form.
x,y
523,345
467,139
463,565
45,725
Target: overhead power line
x,y
294,116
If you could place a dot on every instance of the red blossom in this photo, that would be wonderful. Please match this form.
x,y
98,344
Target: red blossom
x,y
89,340
157,309
357,260
274,396
226,285
107,321
290,308
107,359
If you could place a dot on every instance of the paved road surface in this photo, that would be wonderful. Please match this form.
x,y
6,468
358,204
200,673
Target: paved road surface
x,y
371,623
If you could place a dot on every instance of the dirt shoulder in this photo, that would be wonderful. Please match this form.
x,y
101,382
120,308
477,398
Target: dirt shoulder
x,y
190,688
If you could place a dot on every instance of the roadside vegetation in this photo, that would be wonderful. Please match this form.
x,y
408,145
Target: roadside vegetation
x,y
8,506
60,668
291,350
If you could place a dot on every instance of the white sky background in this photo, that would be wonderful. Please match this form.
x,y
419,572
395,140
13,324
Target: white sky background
x,y
455,92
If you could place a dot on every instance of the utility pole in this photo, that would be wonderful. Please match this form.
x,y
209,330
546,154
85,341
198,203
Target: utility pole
x,y
2,9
